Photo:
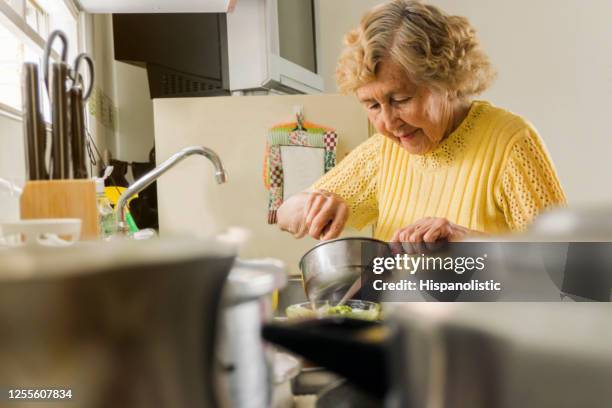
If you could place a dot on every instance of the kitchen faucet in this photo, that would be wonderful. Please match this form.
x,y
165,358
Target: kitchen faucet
x,y
150,177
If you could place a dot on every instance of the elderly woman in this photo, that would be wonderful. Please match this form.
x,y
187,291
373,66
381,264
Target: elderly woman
x,y
442,166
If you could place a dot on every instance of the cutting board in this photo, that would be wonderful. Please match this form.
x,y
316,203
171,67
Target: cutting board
x,y
62,199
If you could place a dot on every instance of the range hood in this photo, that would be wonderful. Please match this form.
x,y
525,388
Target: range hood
x,y
157,6
250,50
185,54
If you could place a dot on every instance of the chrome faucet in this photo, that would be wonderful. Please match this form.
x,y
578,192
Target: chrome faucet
x,y
150,177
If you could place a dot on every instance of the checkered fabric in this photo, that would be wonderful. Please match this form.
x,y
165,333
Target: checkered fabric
x,y
298,138
275,156
276,177
289,134
330,139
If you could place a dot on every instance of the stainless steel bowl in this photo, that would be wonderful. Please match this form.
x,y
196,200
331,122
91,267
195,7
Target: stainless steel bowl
x,y
576,224
332,267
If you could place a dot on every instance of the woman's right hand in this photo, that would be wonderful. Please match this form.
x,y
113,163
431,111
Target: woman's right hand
x,y
325,215
320,214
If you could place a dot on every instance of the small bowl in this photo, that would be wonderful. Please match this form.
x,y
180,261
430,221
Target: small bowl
x,y
354,309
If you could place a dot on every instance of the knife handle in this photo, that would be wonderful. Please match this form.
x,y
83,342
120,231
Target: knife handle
x,y
77,141
60,161
35,136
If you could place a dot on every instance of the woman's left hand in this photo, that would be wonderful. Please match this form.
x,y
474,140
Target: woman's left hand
x,y
431,229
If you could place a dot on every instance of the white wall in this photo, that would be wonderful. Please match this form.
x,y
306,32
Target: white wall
x,y
554,59
236,128
131,138
134,136
336,18
100,46
12,165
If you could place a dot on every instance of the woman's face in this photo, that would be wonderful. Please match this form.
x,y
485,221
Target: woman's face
x,y
413,116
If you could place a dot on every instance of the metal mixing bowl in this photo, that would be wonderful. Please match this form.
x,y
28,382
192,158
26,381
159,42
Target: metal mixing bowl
x,y
330,268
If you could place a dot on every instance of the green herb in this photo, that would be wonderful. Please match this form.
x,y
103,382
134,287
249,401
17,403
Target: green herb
x,y
340,310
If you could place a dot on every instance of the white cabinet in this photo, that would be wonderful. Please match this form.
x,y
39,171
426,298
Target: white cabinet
x,y
157,6
273,45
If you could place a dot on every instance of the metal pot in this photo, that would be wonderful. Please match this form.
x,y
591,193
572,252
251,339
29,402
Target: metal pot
x,y
245,361
459,355
503,355
592,224
567,253
330,268
120,324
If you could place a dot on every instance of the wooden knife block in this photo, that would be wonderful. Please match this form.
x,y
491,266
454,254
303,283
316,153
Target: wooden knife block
x,y
62,199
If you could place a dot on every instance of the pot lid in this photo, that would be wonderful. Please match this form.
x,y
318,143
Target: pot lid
x,y
87,257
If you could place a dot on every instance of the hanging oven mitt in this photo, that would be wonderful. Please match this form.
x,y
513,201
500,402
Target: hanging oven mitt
x,y
299,133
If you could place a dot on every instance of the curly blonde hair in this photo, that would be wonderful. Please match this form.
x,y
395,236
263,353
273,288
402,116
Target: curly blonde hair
x,y
436,49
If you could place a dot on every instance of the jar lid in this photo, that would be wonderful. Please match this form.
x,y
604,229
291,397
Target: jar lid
x,y
100,185
254,278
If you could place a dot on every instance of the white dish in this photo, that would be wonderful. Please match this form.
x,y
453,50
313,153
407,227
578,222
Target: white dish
x,y
45,232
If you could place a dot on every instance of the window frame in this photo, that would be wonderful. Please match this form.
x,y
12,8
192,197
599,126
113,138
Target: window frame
x,y
13,19
38,9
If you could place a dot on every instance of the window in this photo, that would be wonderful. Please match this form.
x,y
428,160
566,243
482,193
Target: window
x,y
11,53
24,28
13,3
37,18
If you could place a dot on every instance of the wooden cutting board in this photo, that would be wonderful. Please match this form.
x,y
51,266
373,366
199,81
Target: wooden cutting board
x,y
62,199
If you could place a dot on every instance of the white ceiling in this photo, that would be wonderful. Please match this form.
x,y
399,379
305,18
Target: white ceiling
x,y
155,6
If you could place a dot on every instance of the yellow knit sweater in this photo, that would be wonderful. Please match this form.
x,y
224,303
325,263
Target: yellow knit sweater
x,y
492,174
